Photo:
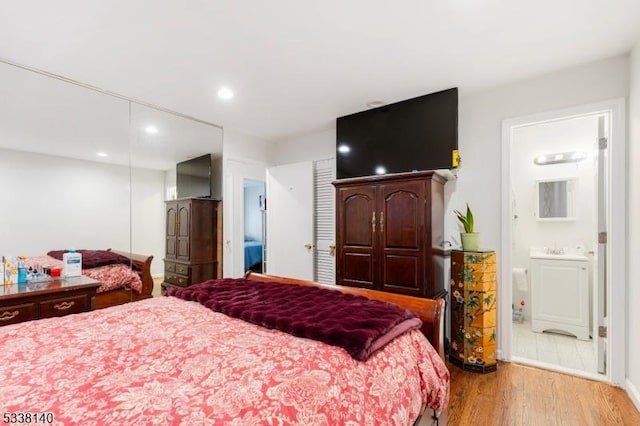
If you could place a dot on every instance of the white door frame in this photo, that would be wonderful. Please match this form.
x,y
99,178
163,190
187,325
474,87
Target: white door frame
x,y
616,247
235,172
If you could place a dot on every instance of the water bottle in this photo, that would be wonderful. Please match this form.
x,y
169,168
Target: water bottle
x,y
22,270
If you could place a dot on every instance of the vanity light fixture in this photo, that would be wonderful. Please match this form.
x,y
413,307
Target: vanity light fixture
x,y
380,170
152,130
561,157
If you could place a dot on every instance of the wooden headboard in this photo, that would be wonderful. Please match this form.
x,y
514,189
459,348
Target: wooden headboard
x,y
430,311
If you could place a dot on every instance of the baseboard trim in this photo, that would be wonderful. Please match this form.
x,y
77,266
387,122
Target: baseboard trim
x,y
633,393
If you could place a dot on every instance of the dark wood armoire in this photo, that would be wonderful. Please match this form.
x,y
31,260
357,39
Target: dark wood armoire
x,y
390,233
193,241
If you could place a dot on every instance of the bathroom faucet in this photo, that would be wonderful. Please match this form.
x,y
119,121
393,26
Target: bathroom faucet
x,y
555,250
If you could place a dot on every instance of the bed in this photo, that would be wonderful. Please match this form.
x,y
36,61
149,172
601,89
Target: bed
x,y
252,254
169,361
125,277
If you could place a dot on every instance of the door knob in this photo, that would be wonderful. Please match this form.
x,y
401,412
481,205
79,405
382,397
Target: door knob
x,y
332,250
309,246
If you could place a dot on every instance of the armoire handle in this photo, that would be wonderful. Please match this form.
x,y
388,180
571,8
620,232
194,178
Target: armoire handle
x,y
373,222
382,221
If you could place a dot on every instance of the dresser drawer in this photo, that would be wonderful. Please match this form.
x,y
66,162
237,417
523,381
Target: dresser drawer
x,y
176,279
18,313
169,267
63,306
182,269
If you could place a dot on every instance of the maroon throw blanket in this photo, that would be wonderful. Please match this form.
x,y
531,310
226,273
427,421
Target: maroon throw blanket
x,y
94,258
355,323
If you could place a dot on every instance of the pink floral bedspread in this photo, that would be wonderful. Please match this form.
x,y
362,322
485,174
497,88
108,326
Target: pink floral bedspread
x,y
169,361
111,276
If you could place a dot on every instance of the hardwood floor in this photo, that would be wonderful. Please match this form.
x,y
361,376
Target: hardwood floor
x,y
521,395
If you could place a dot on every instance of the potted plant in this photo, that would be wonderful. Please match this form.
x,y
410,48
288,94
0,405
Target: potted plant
x,y
470,239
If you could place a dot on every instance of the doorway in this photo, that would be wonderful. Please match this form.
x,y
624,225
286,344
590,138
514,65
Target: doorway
x,y
560,171
254,225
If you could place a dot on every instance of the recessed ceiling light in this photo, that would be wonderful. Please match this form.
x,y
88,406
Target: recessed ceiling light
x,y
152,130
375,104
101,154
225,93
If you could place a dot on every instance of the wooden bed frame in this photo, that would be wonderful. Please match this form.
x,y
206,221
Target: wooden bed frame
x,y
125,295
431,311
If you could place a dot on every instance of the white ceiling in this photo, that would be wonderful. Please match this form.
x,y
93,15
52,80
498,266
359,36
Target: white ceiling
x,y
297,65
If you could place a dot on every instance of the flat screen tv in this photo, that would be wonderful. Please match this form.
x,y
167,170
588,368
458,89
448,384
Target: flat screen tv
x,y
412,135
199,177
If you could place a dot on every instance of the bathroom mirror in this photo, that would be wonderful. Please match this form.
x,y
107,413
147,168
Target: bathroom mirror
x,y
555,199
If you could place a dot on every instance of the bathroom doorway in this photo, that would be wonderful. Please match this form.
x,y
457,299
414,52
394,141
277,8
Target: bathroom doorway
x,y
557,214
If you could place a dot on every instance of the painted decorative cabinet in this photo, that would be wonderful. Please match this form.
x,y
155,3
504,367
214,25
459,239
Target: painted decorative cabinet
x,y
473,310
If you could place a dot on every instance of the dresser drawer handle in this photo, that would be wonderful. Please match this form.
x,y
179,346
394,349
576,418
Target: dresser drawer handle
x,y
63,306
181,280
6,316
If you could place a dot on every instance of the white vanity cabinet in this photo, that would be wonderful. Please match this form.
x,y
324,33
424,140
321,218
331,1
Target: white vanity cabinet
x,y
560,294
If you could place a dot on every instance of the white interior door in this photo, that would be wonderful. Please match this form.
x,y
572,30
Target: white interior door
x,y
600,276
289,250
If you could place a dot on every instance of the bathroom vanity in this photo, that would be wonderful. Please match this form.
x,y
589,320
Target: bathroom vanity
x,y
560,293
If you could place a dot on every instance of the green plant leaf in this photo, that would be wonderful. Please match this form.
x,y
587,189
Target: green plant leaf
x,y
466,220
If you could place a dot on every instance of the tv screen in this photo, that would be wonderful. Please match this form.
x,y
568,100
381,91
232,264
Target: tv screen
x,y
193,177
412,135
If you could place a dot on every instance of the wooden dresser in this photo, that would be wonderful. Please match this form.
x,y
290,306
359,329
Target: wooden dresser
x,y
390,233
193,251
26,302
473,310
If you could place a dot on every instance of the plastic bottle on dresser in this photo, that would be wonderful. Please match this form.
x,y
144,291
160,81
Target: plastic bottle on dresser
x,y
71,264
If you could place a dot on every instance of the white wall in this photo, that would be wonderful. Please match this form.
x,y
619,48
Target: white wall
x,y
314,146
633,281
52,203
578,134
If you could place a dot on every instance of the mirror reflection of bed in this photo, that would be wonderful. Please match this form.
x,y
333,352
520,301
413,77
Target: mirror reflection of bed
x,y
254,225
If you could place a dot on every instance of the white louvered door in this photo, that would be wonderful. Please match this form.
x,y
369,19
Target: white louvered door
x,y
324,221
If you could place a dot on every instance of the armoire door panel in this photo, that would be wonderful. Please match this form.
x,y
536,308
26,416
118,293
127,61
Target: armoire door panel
x,y
172,222
170,251
184,220
359,222
402,272
358,269
402,220
183,251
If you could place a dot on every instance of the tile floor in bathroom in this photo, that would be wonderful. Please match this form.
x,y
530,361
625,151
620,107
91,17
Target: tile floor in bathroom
x,y
558,349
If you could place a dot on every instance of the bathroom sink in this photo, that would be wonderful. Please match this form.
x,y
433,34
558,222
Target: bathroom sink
x,y
564,256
